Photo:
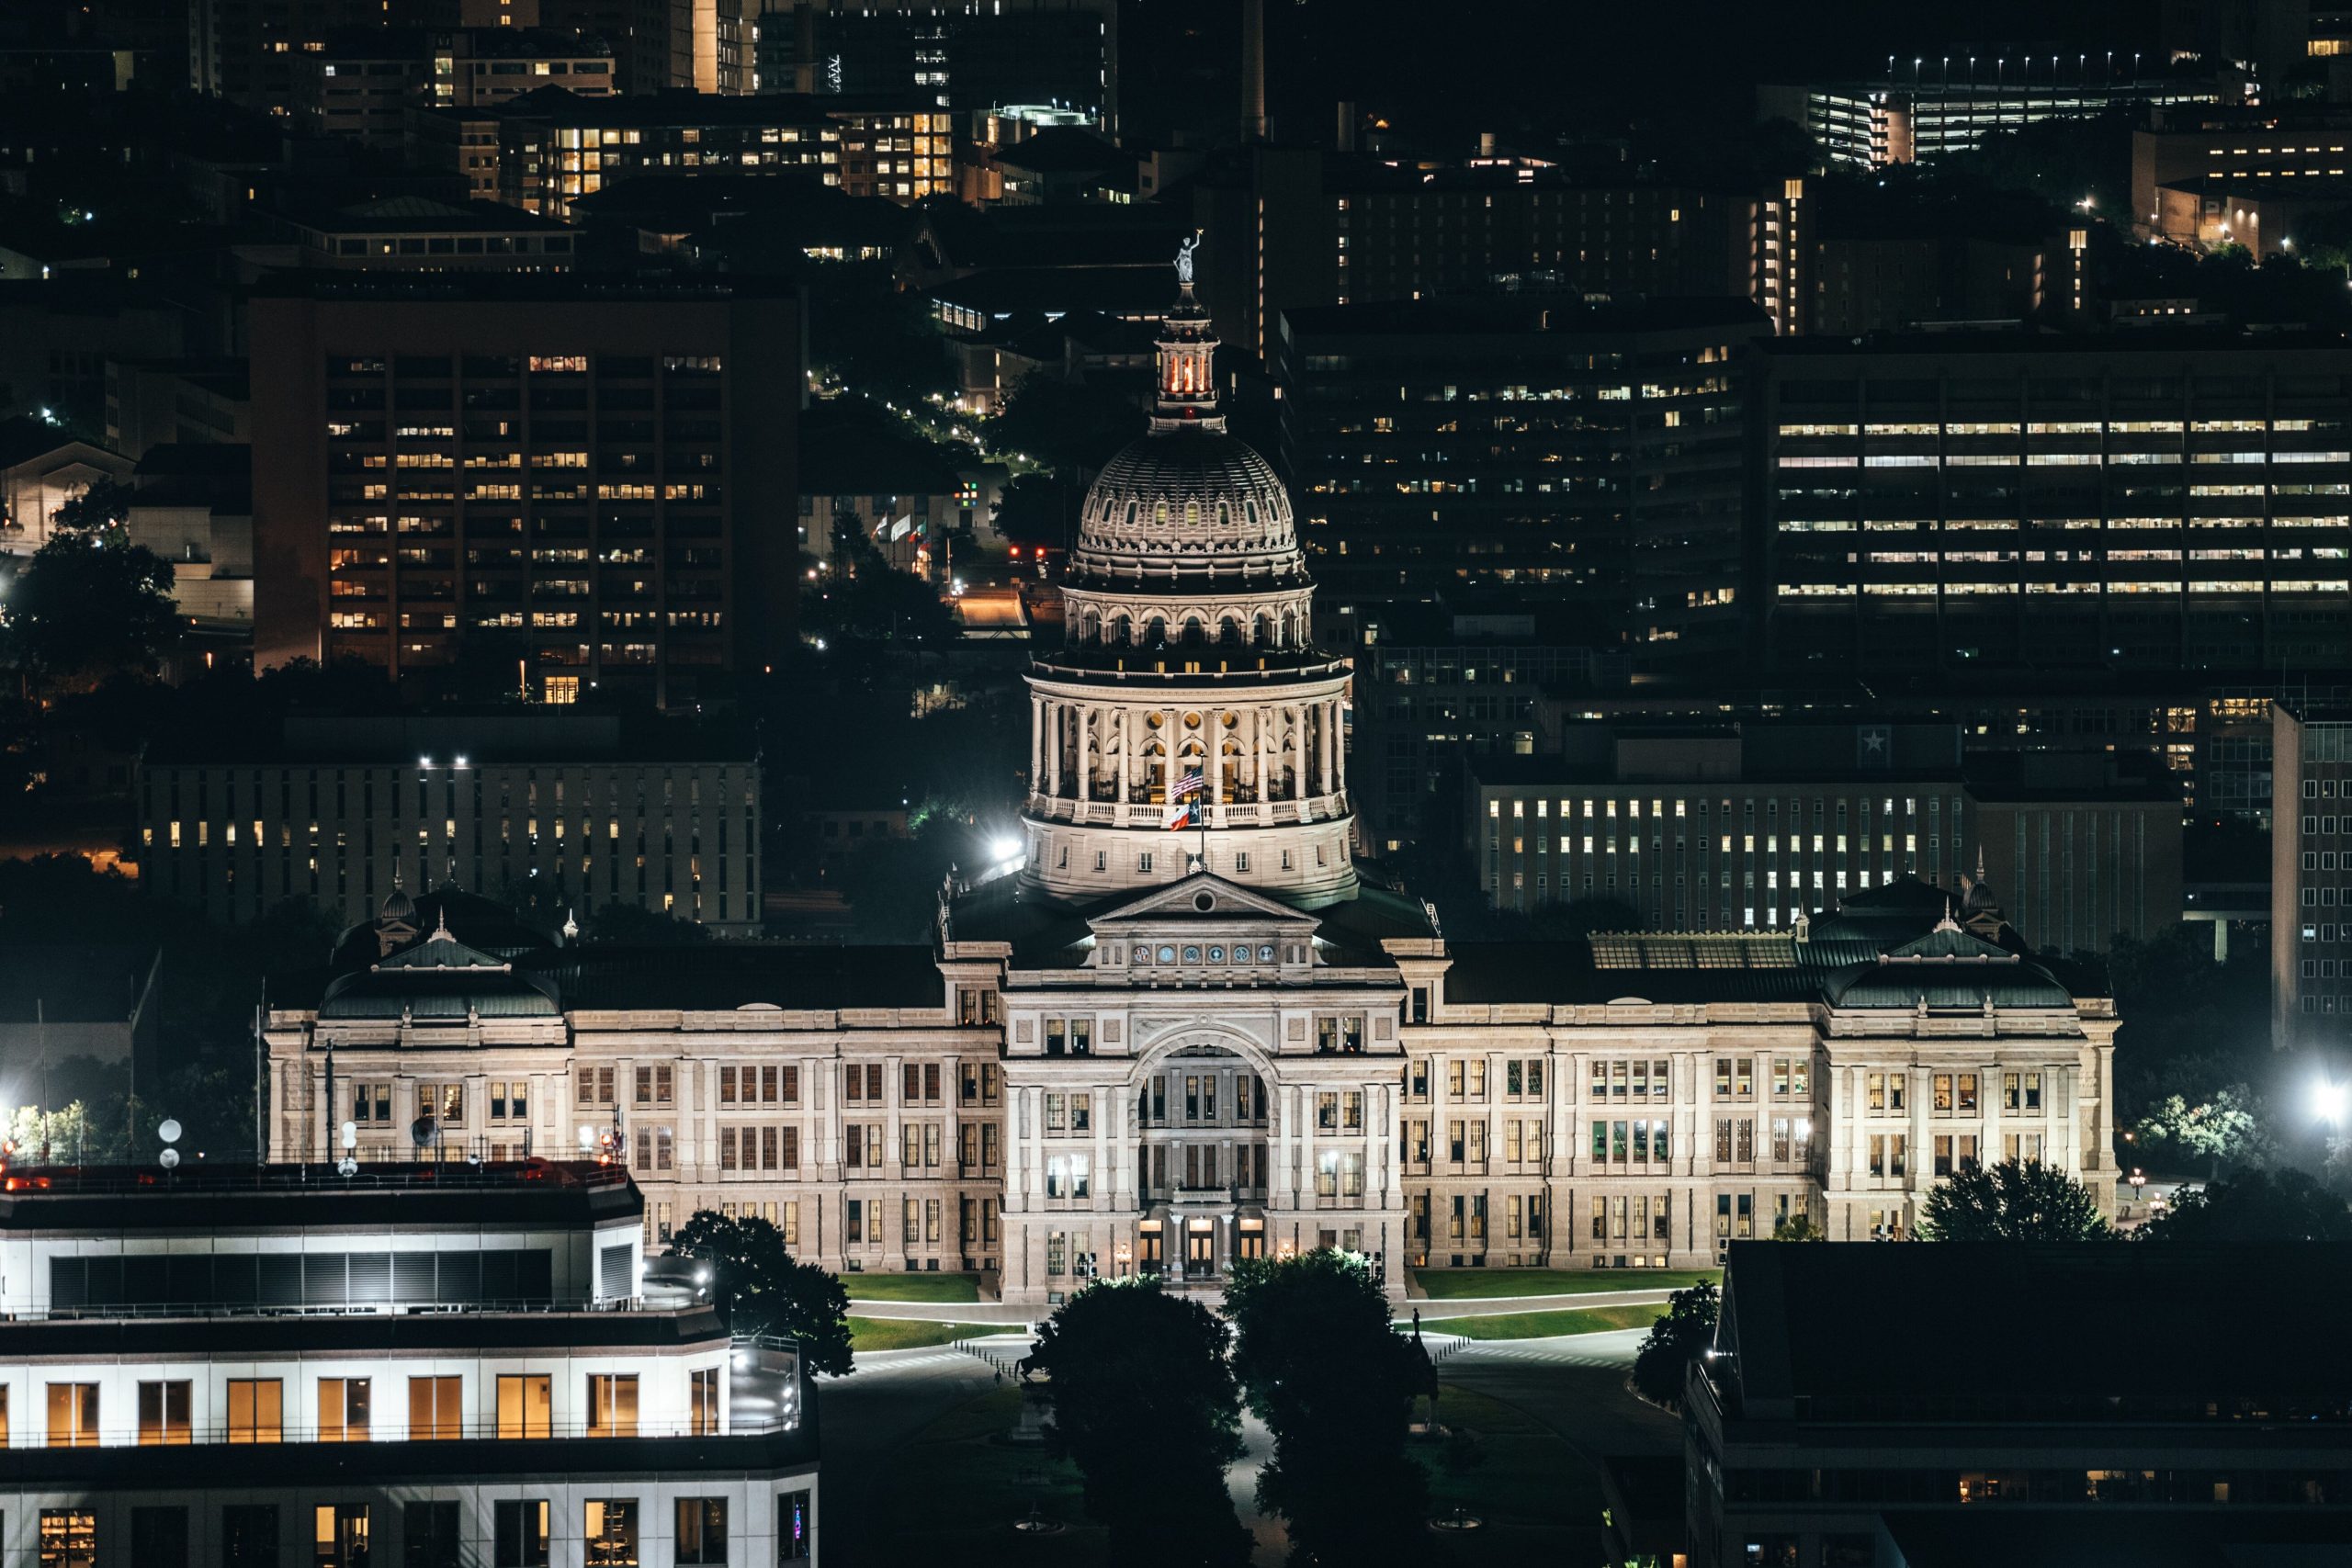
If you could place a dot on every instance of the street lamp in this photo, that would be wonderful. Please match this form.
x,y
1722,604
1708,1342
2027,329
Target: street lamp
x,y
2329,1099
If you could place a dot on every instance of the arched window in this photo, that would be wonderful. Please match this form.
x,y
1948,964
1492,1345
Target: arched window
x,y
1229,631
1121,631
1155,633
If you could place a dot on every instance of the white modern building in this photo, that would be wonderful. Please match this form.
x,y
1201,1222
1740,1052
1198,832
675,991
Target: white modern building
x,y
1186,1026
445,1365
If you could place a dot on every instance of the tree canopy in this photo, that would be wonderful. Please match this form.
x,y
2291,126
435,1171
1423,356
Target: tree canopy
x,y
2231,1125
2256,1205
1335,1383
1675,1343
1146,1404
2011,1202
762,1288
87,605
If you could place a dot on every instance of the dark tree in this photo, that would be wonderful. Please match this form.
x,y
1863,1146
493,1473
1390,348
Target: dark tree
x,y
1335,1383
1064,425
86,606
1676,1341
760,1288
1041,509
2256,1205
1146,1404
2011,1202
105,504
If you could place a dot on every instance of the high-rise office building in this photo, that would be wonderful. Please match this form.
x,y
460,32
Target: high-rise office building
x,y
1936,105
527,484
2152,499
967,56
2311,873
556,146
1590,455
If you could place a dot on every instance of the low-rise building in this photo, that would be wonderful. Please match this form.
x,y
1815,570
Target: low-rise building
x,y
41,468
1747,826
560,811
430,1365
1816,1434
193,506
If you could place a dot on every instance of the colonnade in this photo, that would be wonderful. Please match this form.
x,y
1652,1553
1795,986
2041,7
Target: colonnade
x,y
1255,752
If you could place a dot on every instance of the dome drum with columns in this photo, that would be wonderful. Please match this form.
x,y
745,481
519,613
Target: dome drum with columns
x,y
1188,649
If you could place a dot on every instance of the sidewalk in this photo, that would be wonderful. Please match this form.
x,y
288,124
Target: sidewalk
x,y
1003,1316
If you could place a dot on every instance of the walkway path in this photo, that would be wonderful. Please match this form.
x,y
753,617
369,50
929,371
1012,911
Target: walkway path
x,y
1004,1316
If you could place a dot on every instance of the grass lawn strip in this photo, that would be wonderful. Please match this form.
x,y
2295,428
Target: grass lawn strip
x,y
911,1287
1459,1284
1547,1324
902,1333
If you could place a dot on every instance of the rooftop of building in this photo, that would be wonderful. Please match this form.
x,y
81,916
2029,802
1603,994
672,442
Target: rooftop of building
x,y
2315,190
1067,150
1896,947
27,436
1138,289
501,287
205,1197
2021,341
642,111
1810,1324
418,215
692,203
421,44
1516,316
459,739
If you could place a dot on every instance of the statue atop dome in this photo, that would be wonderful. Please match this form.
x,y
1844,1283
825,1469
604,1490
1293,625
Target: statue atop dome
x,y
1184,259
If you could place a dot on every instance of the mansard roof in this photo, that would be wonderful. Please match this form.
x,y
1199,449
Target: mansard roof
x,y
1880,959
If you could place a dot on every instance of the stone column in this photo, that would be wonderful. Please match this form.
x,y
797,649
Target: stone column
x,y
1258,748
1328,714
1036,744
1127,751
1053,732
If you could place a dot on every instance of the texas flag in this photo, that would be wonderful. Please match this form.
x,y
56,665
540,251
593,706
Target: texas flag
x,y
1185,816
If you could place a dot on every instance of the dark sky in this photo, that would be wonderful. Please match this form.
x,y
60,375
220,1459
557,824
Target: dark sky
x,y
1460,66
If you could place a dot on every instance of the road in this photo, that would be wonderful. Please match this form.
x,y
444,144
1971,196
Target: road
x,y
999,1314
1573,1386
869,1414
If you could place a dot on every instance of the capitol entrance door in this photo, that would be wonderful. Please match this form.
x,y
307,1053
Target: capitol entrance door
x,y
1199,1249
1148,1256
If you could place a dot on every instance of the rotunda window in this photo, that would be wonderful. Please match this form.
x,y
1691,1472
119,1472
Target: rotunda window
x,y
1216,955
1168,955
1265,951
1204,902
1241,954
1191,721
1191,954
1192,514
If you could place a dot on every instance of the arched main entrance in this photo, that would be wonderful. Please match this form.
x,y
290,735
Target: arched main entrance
x,y
1203,1119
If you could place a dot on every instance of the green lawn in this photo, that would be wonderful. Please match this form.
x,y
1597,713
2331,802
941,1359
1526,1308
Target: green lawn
x,y
953,1494
1457,1284
902,1334
1540,1501
911,1287
1546,1325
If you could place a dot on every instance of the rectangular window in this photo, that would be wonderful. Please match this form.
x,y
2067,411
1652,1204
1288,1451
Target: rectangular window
x,y
429,1534
612,1405
339,1536
526,1405
72,1415
702,1401
702,1530
611,1533
342,1410
249,1534
795,1527
519,1532
254,1407
434,1414
159,1537
163,1413
69,1537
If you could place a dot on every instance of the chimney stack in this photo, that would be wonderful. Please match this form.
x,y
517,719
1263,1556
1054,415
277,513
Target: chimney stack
x,y
1253,69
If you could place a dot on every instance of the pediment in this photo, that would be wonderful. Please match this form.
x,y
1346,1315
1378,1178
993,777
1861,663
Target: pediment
x,y
1200,898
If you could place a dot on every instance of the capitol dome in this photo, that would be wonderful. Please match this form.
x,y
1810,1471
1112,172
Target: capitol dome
x,y
1189,502
1188,696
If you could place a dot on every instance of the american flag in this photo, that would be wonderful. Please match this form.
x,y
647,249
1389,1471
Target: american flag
x,y
1187,782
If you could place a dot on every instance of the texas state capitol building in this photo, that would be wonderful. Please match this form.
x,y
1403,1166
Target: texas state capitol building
x,y
1162,1050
